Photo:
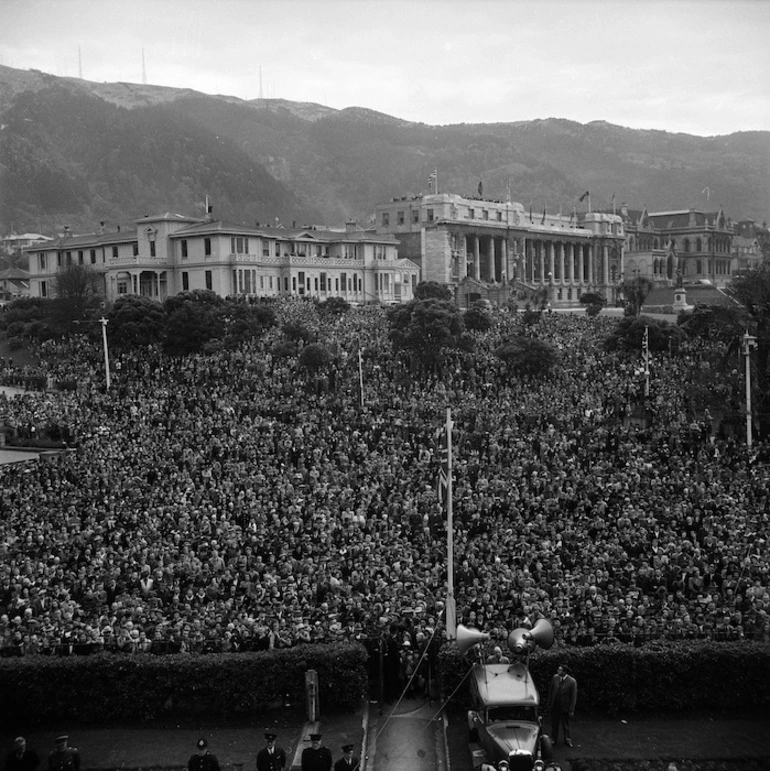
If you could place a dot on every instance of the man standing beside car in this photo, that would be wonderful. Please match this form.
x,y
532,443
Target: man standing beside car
x,y
562,698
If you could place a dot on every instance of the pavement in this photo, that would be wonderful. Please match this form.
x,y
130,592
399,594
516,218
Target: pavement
x,y
410,735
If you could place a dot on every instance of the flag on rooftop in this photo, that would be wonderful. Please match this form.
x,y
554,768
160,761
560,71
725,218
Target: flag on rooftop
x,y
584,196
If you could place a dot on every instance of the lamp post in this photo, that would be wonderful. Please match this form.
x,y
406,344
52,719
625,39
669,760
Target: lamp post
x,y
103,321
749,344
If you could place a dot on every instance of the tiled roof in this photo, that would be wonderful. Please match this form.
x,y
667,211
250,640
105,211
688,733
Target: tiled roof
x,y
14,274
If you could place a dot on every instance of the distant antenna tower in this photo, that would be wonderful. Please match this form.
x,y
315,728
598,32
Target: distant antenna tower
x,y
80,64
144,70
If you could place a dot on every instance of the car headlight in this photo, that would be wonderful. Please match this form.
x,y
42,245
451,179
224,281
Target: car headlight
x,y
539,765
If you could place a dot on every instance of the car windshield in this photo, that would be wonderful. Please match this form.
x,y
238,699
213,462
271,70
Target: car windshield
x,y
511,712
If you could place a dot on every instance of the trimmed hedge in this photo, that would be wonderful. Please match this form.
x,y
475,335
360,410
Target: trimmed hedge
x,y
110,687
658,677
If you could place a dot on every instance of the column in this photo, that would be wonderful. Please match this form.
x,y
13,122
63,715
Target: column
x,y
462,267
560,262
591,273
581,264
551,260
606,263
570,266
476,258
491,259
505,267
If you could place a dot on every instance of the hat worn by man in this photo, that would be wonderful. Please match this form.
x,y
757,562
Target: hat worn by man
x,y
202,744
61,739
315,737
271,736
347,748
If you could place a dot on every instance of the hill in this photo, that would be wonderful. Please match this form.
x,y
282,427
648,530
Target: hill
x,y
76,152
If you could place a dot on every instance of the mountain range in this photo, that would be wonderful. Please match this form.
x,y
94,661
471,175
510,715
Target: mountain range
x,y
76,153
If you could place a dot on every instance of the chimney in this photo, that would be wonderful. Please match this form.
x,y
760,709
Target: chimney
x,y
350,226
100,231
209,212
67,233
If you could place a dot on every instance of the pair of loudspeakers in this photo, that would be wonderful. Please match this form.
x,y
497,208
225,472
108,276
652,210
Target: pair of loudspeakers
x,y
520,641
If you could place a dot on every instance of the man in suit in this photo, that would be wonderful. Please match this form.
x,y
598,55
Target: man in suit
x,y
271,757
562,697
315,757
348,761
21,758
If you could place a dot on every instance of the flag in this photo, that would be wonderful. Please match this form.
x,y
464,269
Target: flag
x,y
481,188
442,485
432,180
584,196
542,221
530,212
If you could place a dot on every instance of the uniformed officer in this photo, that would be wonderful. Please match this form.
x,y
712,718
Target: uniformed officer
x,y
315,757
64,757
272,757
202,759
348,761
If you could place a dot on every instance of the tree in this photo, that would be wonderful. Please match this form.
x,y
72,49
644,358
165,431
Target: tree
x,y
136,321
528,356
635,290
432,290
203,297
334,306
752,290
77,292
314,357
426,328
190,326
594,302
477,319
629,333
244,321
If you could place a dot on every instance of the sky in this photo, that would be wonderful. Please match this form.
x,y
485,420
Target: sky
x,y
694,66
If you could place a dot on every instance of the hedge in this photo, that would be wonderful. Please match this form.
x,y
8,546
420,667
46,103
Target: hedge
x,y
109,687
657,677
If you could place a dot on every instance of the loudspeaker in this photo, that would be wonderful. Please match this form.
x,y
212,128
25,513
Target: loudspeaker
x,y
467,638
542,633
522,641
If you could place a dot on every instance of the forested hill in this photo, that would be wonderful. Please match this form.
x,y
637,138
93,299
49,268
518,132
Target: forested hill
x,y
74,152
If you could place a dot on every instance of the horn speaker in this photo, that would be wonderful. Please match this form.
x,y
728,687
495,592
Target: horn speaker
x,y
522,641
542,633
467,638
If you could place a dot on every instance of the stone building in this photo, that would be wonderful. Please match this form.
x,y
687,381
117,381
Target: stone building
x,y
495,250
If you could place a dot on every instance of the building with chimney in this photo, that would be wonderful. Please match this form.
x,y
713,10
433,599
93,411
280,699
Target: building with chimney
x,y
169,253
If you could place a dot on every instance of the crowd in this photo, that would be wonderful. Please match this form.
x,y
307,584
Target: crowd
x,y
219,503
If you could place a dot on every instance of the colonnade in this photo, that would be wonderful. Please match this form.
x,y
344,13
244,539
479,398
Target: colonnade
x,y
533,260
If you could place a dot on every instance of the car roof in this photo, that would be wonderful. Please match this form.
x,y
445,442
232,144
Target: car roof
x,y
504,684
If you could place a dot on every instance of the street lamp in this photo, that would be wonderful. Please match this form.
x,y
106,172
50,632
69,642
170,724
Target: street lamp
x,y
103,321
749,344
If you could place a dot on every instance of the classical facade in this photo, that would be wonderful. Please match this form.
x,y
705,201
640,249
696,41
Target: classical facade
x,y
486,249
687,245
169,253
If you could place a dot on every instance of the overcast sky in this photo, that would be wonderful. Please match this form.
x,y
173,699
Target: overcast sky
x,y
695,66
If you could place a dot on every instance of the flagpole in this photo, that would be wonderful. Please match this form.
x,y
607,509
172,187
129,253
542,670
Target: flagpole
x,y
451,610
646,342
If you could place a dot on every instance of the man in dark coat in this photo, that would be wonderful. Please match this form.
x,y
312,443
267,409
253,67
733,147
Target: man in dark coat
x,y
20,758
202,759
64,757
315,757
348,761
562,697
271,757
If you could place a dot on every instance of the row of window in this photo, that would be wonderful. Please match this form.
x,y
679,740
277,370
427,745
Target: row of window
x,y
647,244
248,282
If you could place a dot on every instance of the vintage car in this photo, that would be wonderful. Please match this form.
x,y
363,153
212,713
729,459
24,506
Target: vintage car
x,y
503,720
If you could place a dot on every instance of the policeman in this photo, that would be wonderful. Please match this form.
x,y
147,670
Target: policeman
x,y
202,759
315,757
348,762
272,757
64,757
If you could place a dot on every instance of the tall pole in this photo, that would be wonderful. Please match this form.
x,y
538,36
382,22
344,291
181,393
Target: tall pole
x,y
103,321
361,376
749,344
451,610
646,342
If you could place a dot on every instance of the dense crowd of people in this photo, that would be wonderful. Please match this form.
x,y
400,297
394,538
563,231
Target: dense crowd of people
x,y
230,501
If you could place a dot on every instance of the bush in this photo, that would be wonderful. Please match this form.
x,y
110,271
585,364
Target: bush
x,y
143,687
658,677
15,343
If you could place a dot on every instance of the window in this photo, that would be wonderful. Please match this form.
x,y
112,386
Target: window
x,y
135,249
80,256
485,214
93,256
207,246
69,258
266,248
185,281
429,215
698,266
401,218
58,260
385,219
152,248
209,280
42,262
44,289
114,252
499,216
415,216
184,248
323,282
471,214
